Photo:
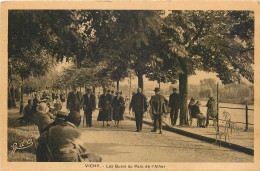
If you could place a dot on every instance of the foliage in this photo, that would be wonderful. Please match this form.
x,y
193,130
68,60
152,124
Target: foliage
x,y
201,40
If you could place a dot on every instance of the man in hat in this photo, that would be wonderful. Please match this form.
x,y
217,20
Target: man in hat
x,y
75,100
63,142
211,111
195,110
42,151
174,104
139,106
62,97
105,105
157,103
42,118
191,103
28,114
112,94
89,106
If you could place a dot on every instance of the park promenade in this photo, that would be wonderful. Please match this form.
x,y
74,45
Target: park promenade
x,y
239,139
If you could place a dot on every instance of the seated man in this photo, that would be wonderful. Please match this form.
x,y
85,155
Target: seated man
x,y
63,142
42,119
195,110
191,115
28,114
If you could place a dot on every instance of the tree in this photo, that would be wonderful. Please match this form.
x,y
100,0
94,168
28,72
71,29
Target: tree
x,y
138,30
35,41
201,40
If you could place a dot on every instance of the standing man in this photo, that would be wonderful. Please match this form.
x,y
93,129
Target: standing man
x,y
139,105
75,100
174,104
62,97
89,106
158,103
105,105
211,111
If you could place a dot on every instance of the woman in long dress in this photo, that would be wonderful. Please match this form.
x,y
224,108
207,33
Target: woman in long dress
x,y
105,102
118,108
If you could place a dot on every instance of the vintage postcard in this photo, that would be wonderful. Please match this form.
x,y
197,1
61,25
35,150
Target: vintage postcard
x,y
130,85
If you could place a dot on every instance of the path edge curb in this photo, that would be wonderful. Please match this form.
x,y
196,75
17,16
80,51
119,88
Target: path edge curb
x,y
201,137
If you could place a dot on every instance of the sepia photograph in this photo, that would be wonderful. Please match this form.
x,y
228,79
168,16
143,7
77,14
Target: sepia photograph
x,y
130,88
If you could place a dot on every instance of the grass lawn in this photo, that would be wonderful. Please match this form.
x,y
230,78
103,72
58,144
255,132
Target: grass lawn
x,y
20,135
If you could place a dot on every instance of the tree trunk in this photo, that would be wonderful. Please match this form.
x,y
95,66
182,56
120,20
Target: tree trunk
x,y
159,83
13,103
140,81
183,87
21,102
117,85
94,90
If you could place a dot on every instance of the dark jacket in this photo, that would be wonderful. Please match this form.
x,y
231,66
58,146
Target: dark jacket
x,y
105,101
89,103
138,103
158,103
174,101
211,111
75,101
195,110
28,113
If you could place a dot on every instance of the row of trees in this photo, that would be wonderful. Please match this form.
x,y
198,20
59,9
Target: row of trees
x,y
105,45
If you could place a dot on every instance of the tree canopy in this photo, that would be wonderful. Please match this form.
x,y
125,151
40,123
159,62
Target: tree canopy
x,y
105,44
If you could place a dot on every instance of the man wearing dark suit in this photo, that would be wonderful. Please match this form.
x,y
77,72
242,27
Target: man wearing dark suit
x,y
75,100
158,103
89,106
174,104
139,105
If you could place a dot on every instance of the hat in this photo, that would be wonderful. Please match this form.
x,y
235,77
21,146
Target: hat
x,y
156,89
62,115
192,101
198,103
174,89
42,107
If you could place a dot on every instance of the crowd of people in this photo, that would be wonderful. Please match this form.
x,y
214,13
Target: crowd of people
x,y
60,139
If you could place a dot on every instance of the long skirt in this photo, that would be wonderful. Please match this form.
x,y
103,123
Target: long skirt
x,y
118,113
104,115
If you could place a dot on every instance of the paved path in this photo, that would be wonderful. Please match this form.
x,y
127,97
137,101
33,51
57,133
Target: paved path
x,y
238,135
123,144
